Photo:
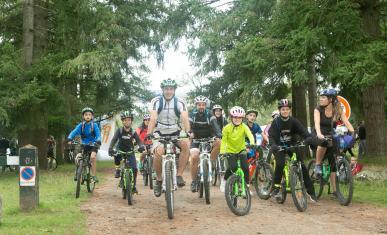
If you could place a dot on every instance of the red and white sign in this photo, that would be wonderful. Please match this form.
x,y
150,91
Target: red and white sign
x,y
345,106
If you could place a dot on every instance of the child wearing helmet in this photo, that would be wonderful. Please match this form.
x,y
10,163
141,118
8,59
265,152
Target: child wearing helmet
x,y
90,134
233,142
142,133
125,137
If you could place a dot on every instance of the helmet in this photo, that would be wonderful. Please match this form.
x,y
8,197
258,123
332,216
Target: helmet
x,y
284,103
237,111
252,111
201,99
217,106
87,109
275,114
168,83
126,114
146,117
329,93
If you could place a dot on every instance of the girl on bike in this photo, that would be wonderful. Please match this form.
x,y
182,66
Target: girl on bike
x,y
233,142
141,132
326,115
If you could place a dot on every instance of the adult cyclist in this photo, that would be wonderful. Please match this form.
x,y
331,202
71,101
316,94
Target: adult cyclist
x,y
202,127
166,111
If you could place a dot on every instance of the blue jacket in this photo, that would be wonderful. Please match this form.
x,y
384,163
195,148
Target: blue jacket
x,y
255,129
87,136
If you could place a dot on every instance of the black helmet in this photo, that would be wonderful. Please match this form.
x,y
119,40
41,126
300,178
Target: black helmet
x,y
252,111
87,109
284,103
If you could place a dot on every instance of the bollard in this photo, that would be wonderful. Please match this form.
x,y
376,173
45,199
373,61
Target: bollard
x,y
28,178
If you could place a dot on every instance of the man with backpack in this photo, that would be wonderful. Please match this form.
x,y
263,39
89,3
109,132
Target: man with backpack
x,y
167,111
202,127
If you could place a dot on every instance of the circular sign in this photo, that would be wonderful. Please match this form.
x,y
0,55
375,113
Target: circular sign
x,y
345,106
27,173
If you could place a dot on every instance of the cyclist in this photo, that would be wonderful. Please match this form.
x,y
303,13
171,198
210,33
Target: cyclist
x,y
125,137
233,142
51,147
283,132
326,115
142,132
274,114
251,116
90,134
218,122
202,127
166,111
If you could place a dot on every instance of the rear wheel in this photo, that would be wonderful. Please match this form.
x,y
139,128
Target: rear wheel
x,y
263,180
239,202
169,190
298,188
79,178
344,182
318,184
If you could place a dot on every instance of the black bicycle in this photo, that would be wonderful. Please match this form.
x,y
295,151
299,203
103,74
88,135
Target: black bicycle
x,y
83,169
147,173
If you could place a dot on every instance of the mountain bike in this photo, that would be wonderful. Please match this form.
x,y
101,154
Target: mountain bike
x,y
205,167
147,173
237,193
261,173
83,169
344,179
293,179
126,182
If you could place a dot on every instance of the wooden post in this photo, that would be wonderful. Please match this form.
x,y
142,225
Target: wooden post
x,y
29,178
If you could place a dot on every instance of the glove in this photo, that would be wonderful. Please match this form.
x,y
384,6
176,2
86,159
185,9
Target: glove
x,y
111,152
141,149
274,148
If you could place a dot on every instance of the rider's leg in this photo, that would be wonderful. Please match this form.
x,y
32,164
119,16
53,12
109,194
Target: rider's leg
x,y
232,165
215,149
320,154
117,163
245,168
157,161
93,159
184,155
279,168
194,163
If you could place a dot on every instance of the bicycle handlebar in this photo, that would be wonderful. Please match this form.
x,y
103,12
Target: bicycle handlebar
x,y
208,139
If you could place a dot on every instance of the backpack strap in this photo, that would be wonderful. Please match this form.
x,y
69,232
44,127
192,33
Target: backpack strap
x,y
175,103
177,111
161,105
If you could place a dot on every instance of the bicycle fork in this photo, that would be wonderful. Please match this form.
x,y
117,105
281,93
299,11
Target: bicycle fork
x,y
166,160
241,174
205,157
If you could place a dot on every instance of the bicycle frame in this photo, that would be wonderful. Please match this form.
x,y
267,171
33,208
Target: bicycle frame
x,y
125,166
169,156
241,174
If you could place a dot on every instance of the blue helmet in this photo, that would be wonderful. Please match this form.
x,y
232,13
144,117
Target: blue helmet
x,y
329,93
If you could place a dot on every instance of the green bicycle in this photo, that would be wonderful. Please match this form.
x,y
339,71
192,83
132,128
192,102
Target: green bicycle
x,y
127,177
237,193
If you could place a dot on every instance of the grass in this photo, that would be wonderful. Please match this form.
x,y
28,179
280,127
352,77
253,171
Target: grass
x,y
371,192
59,211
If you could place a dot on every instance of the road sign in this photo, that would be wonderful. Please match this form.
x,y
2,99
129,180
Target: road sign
x,y
345,106
27,176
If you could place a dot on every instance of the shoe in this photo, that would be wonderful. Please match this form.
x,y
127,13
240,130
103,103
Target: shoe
x,y
118,173
312,197
222,185
317,169
333,194
95,179
276,193
194,186
157,188
180,181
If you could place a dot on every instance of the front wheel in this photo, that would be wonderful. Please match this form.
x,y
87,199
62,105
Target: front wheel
x,y
344,182
79,178
297,188
145,172
283,192
90,183
317,181
215,170
263,180
169,190
150,172
128,187
238,200
206,183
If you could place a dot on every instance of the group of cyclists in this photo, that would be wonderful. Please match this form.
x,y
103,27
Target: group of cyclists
x,y
168,116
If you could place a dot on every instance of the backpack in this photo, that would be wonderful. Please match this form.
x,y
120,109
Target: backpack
x,y
161,106
83,128
195,111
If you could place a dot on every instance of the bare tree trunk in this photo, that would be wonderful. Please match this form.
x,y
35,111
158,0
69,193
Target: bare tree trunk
x,y
299,103
312,90
28,32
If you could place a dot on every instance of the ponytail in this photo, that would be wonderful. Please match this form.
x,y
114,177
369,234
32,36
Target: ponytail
x,y
337,110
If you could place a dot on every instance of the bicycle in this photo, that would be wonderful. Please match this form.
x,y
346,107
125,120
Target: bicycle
x,y
344,179
205,167
236,188
126,176
51,163
169,184
293,179
83,169
147,168
260,172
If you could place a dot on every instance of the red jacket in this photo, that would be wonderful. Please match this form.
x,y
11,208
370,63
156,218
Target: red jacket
x,y
141,132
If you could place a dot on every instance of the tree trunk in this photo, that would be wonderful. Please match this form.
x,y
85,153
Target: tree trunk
x,y
373,95
28,32
312,90
299,103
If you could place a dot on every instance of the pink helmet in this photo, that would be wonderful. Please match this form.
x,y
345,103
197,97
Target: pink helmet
x,y
237,111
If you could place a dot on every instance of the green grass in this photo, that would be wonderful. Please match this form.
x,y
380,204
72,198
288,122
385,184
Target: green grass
x,y
374,192
59,211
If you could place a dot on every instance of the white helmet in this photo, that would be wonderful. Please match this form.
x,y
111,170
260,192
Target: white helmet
x,y
275,114
201,99
146,117
217,106
237,111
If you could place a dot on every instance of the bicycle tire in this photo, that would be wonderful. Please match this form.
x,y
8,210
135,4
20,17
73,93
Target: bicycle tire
x,y
128,188
79,178
317,182
295,178
283,192
169,196
145,172
150,172
215,170
201,188
268,175
123,186
206,183
231,199
345,177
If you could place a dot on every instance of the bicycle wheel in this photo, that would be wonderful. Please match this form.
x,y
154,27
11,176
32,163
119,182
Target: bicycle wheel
x,y
79,178
169,197
150,172
317,182
263,180
215,171
283,192
145,172
123,186
90,183
128,187
206,183
239,202
201,188
344,182
297,187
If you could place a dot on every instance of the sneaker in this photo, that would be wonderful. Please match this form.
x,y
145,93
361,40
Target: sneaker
x,y
312,197
118,173
180,181
95,179
194,186
157,188
276,193
222,185
317,169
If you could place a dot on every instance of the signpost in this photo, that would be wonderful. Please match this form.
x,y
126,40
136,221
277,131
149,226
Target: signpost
x,y
345,106
29,178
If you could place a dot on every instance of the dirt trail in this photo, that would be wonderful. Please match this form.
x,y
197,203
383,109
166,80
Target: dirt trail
x,y
108,213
